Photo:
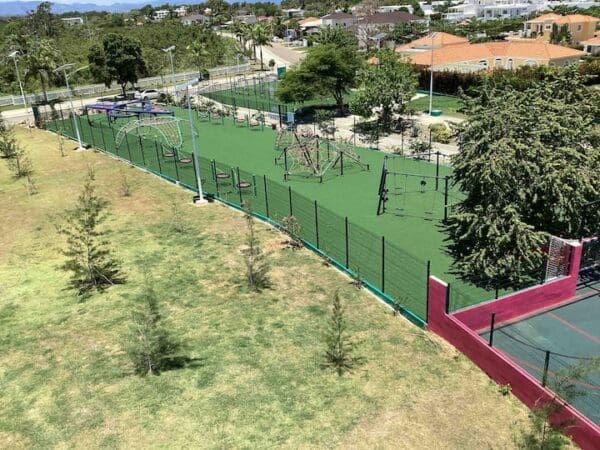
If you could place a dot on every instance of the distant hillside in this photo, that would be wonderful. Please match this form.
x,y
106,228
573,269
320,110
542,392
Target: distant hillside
x,y
19,8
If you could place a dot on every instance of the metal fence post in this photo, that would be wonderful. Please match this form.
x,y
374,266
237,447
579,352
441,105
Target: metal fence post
x,y
103,140
157,157
142,150
427,290
290,200
437,168
317,224
266,196
492,324
383,264
128,149
447,306
239,188
446,181
546,365
347,253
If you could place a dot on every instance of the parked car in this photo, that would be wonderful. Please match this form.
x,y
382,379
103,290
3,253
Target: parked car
x,y
148,94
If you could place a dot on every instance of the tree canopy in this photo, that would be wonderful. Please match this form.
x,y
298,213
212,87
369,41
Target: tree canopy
x,y
326,70
529,165
118,59
389,86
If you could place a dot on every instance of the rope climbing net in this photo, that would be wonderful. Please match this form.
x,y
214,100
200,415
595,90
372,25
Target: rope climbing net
x,y
305,154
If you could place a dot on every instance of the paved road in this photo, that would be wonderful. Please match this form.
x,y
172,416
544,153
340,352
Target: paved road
x,y
282,55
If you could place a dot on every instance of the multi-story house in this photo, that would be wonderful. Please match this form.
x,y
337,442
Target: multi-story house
x,y
160,14
490,9
580,27
338,19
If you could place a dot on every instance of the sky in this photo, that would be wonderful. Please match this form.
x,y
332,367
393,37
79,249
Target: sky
x,y
98,2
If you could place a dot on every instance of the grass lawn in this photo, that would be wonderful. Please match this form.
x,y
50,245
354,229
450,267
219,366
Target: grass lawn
x,y
256,380
449,105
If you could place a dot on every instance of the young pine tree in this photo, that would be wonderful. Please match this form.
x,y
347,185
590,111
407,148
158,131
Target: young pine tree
x,y
257,268
541,434
8,142
149,345
15,155
89,260
340,348
19,162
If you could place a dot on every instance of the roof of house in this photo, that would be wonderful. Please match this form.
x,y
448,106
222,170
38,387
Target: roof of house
x,y
338,15
308,20
562,20
194,17
391,17
592,41
510,49
439,40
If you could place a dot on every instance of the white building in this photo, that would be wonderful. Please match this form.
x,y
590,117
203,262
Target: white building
x,y
72,21
506,9
181,11
292,13
338,19
160,14
193,19
489,9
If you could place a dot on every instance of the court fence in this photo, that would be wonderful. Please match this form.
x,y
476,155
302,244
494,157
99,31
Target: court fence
x,y
397,277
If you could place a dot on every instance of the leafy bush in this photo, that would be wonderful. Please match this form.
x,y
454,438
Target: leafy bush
x,y
440,133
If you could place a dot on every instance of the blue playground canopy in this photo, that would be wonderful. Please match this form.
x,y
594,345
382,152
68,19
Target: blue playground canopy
x,y
129,108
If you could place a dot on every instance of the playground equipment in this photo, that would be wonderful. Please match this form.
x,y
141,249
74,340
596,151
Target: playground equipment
x,y
413,186
163,130
304,154
126,109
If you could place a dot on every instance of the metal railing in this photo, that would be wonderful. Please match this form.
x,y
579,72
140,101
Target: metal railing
x,y
90,90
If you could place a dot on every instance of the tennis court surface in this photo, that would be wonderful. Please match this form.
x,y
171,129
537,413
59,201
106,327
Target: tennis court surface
x,y
553,343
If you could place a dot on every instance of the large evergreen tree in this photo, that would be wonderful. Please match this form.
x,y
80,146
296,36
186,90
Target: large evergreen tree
x,y
529,165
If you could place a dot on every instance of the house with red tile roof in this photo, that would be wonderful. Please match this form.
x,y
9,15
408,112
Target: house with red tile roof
x,y
581,27
467,57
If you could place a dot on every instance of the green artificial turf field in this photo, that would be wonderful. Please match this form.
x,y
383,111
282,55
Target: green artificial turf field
x,y
411,227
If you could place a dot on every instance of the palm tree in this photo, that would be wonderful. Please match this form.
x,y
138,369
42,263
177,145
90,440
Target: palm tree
x,y
200,53
261,37
248,36
41,58
237,28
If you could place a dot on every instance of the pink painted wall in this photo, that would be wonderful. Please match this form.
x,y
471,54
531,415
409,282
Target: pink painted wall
x,y
524,302
501,369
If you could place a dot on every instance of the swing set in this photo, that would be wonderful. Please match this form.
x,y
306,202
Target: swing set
x,y
415,193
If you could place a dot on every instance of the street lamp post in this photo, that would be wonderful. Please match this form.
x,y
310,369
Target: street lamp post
x,y
63,69
169,50
14,55
433,35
